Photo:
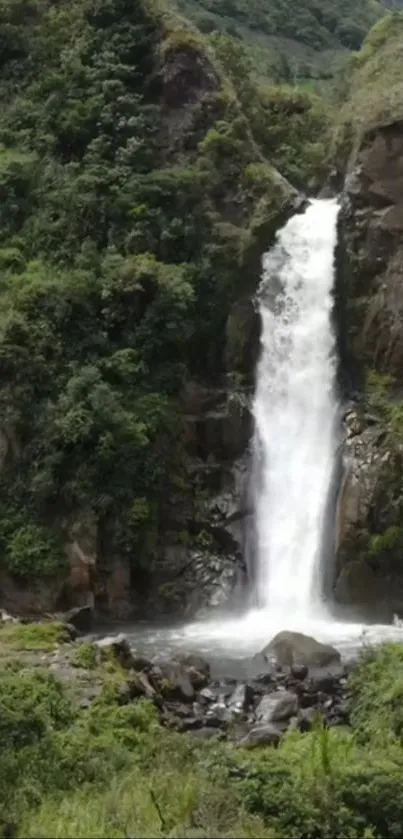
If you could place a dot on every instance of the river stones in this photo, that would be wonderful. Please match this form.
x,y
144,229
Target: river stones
x,y
261,735
277,707
290,648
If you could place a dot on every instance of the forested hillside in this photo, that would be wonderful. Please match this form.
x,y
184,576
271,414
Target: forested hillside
x,y
288,40
138,192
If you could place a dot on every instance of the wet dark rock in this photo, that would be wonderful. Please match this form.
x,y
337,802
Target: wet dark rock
x,y
276,707
328,680
135,687
197,678
216,715
261,735
141,662
265,679
81,617
129,691
196,662
307,700
147,687
190,724
299,671
179,710
72,631
241,699
172,681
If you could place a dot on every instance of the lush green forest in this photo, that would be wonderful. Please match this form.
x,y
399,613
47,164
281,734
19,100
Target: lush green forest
x,y
287,40
138,190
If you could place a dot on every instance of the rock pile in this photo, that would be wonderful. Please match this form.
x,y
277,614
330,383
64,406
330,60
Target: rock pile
x,y
257,712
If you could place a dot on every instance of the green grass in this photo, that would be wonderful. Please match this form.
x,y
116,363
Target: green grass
x,y
32,636
112,771
167,802
87,656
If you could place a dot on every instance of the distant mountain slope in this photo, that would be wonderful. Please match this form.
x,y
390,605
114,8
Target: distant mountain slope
x,y
285,38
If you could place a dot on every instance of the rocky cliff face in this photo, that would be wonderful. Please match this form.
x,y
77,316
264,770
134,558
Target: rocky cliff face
x,y
370,511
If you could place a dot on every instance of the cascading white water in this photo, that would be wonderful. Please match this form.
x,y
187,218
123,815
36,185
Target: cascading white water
x,y
295,411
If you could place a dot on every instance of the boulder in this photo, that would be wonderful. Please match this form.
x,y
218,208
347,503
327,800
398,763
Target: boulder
x,y
241,699
81,617
172,681
207,695
132,689
261,735
196,662
71,631
289,648
217,715
141,662
277,707
299,671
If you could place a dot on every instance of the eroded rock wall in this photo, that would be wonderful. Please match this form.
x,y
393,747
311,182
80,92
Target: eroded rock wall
x,y
369,569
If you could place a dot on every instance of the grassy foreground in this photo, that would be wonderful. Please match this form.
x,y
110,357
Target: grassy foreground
x,y
71,768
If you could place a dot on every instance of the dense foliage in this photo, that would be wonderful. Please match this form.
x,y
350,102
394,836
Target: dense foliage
x,y
136,203
288,122
110,770
319,24
288,40
370,89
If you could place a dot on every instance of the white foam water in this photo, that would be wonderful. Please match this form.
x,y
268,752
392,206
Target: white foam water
x,y
295,412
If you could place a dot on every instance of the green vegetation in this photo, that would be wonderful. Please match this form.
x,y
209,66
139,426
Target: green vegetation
x,y
366,99
86,655
138,169
32,636
126,234
384,398
289,123
376,687
113,771
289,42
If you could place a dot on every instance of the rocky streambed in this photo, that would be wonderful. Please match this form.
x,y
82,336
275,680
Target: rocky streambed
x,y
298,681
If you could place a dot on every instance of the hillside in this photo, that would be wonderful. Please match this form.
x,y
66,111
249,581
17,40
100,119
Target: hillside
x,y
137,198
287,40
371,90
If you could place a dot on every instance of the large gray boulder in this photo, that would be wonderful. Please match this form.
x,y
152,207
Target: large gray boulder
x,y
288,648
261,735
277,707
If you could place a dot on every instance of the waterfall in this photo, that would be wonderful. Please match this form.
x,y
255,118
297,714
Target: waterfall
x,y
295,412
295,455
